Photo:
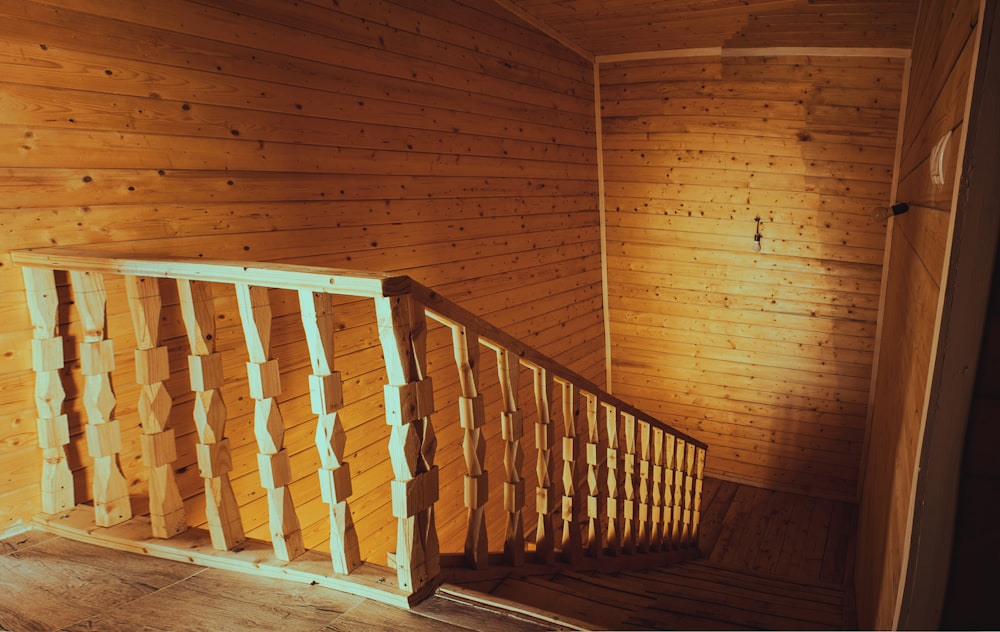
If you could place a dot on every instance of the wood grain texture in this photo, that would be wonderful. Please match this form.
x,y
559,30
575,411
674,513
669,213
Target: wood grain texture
x,y
447,141
719,340
939,87
606,27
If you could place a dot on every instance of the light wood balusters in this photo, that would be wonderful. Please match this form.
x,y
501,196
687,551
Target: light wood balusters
x,y
273,461
572,543
152,368
409,402
47,361
512,430
326,398
593,542
472,416
104,442
545,493
206,375
627,483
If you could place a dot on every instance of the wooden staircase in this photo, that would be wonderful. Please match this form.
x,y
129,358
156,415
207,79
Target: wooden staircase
x,y
770,560
616,490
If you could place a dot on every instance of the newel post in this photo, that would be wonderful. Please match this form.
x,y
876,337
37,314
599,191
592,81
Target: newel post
x,y
409,402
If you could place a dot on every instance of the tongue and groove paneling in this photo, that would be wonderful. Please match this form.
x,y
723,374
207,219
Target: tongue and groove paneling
x,y
445,140
765,356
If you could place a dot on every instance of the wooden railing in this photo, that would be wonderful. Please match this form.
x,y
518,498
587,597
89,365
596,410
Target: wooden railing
x,y
638,499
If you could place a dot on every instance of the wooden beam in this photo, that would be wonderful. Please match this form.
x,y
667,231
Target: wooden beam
x,y
766,51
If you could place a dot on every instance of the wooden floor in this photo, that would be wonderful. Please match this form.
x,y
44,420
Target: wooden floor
x,y
770,560
51,583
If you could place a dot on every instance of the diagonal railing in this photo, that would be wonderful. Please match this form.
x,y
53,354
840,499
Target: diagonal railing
x,y
615,484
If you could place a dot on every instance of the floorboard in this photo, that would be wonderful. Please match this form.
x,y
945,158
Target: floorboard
x,y
770,560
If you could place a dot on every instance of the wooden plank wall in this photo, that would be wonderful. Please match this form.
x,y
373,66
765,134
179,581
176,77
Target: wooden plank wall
x,y
764,356
445,140
943,56
612,26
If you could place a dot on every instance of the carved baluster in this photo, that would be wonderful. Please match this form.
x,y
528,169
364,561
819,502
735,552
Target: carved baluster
x,y
47,360
152,368
104,442
205,371
472,417
678,522
593,543
643,520
326,397
615,505
572,548
631,528
669,491
657,518
409,402
273,462
512,429
545,498
689,466
699,476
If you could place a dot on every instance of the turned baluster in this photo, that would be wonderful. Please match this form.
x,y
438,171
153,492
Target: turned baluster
x,y
593,543
630,531
657,517
571,547
213,452
273,461
152,368
615,505
409,402
472,416
47,360
97,361
545,494
512,429
326,399
643,532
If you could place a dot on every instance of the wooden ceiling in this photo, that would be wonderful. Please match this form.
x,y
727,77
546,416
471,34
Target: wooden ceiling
x,y
612,27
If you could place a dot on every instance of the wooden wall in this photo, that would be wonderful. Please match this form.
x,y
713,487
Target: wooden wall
x,y
943,55
765,356
445,140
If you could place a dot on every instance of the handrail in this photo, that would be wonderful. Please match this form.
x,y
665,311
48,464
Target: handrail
x,y
643,497
273,275
319,279
449,312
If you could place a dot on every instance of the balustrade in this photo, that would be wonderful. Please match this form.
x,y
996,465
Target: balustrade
x,y
626,483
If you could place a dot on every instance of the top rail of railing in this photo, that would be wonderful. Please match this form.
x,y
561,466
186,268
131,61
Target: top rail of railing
x,y
327,280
